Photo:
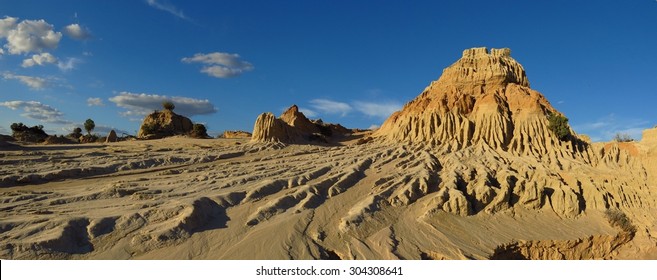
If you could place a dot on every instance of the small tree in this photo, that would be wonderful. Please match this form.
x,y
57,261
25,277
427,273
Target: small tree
x,y
168,105
89,125
558,124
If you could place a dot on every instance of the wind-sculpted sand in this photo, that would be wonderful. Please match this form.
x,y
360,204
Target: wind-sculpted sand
x,y
182,198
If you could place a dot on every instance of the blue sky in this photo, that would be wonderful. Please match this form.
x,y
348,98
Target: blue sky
x,y
350,62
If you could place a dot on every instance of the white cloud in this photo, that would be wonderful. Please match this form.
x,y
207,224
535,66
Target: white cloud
x,y
2,51
374,126
94,101
69,64
35,83
29,36
37,111
47,58
77,32
141,104
39,59
330,107
167,7
381,110
308,113
220,65
7,24
605,128
370,109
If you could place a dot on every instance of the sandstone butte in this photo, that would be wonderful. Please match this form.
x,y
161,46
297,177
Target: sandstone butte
x,y
467,170
164,123
294,127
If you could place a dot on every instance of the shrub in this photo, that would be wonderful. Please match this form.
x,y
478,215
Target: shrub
x,y
77,132
558,124
89,126
623,137
168,105
617,218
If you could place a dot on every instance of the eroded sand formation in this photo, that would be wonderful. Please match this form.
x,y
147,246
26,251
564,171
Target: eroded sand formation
x,y
467,170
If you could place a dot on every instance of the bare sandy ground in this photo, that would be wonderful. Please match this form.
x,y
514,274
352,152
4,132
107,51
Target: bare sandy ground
x,y
181,198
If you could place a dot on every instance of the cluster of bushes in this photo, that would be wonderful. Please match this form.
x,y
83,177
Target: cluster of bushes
x,y
24,133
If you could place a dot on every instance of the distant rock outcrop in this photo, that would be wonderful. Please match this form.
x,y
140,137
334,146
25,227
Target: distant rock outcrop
x,y
164,123
268,128
230,134
111,137
294,127
56,140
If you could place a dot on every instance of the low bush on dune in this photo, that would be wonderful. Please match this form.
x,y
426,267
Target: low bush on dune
x,y
618,219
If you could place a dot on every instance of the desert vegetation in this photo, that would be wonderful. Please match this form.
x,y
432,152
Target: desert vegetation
x,y
24,133
623,137
168,105
558,124
76,134
89,126
618,219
